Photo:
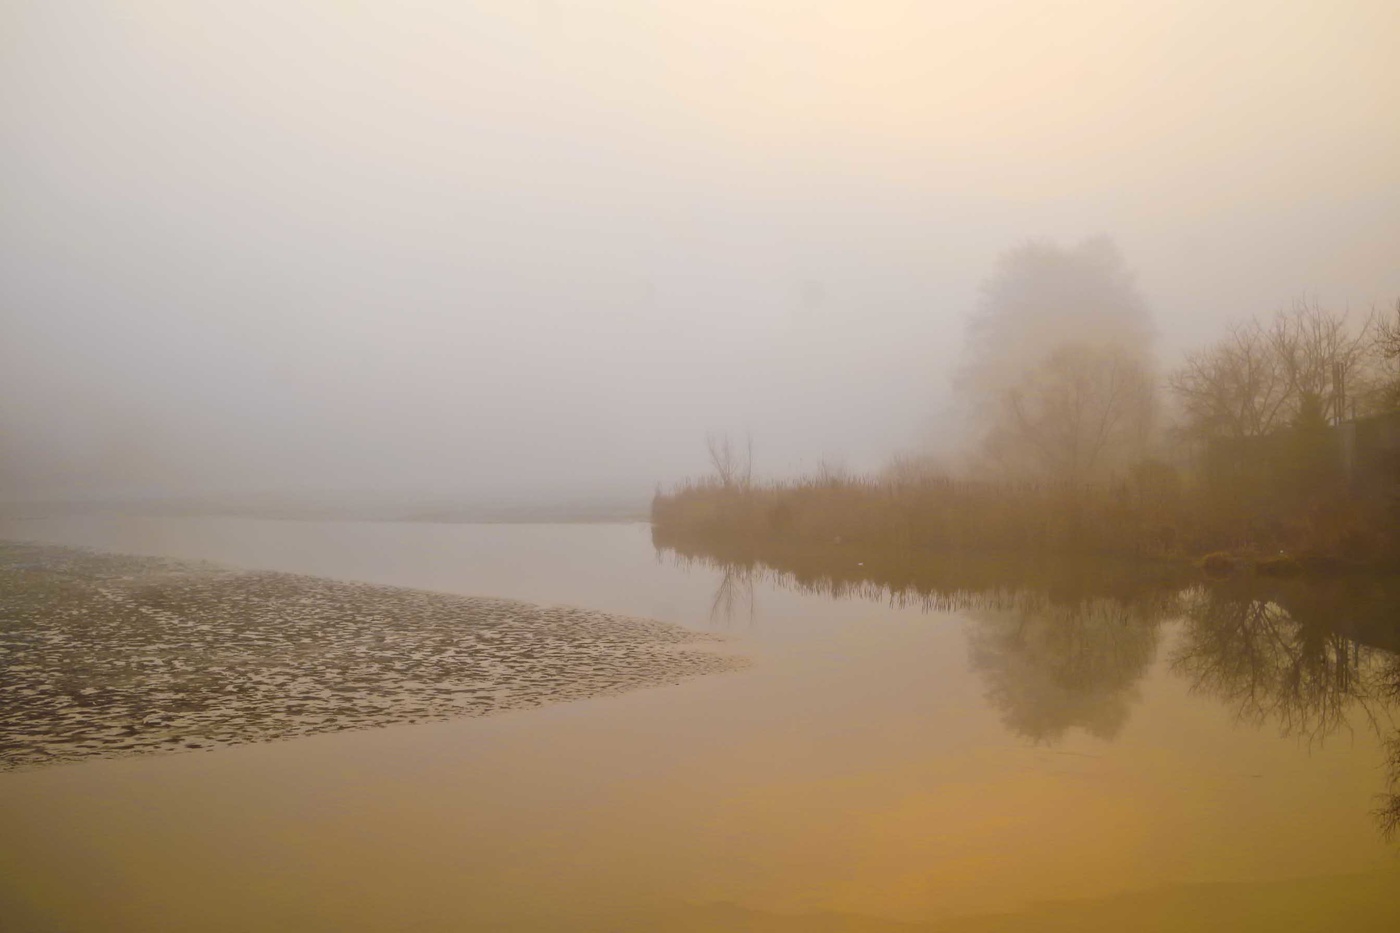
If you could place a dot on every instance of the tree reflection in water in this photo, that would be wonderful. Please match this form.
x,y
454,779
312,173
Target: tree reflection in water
x,y
734,596
1054,667
1253,655
1309,659
1062,646
1388,810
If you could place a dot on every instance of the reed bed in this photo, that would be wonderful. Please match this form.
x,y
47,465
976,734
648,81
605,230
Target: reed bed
x,y
1134,518
951,514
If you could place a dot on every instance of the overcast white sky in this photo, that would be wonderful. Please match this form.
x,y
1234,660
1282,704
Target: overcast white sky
x,y
484,248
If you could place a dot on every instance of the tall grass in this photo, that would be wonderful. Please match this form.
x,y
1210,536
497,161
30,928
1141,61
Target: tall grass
x,y
933,513
1142,516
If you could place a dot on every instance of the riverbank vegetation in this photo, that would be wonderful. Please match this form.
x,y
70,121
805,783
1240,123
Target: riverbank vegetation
x,y
1150,514
1277,447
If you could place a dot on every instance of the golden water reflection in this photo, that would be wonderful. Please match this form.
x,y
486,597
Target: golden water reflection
x,y
941,746
1064,645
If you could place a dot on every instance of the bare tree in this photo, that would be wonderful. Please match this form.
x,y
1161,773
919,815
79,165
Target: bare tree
x,y
1079,416
1260,376
732,464
1320,355
1388,335
1235,388
1386,347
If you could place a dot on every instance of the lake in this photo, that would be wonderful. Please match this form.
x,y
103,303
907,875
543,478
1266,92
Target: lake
x,y
932,747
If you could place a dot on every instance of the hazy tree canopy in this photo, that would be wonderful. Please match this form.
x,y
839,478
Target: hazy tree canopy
x,y
1042,296
1057,372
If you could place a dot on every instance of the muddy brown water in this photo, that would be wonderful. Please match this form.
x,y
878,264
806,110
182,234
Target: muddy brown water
x,y
1023,762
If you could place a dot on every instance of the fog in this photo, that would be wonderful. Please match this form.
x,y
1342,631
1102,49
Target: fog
x,y
512,249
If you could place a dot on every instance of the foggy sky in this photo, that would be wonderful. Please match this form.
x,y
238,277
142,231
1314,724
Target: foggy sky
x,y
505,248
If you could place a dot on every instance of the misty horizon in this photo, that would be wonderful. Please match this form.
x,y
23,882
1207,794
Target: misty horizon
x,y
643,465
543,250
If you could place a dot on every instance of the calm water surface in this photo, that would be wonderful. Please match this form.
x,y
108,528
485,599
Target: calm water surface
x,y
1168,759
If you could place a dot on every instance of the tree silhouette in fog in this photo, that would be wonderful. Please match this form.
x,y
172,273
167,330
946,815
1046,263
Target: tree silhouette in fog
x,y
1058,363
1082,413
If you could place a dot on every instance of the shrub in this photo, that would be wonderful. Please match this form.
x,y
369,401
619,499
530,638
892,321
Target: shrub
x,y
1219,563
1280,565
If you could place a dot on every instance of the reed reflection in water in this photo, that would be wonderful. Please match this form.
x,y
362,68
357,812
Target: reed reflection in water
x,y
1065,645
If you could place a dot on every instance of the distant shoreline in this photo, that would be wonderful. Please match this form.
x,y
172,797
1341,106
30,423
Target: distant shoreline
x,y
602,512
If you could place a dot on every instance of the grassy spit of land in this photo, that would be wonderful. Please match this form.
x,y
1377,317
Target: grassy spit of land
x,y
1148,516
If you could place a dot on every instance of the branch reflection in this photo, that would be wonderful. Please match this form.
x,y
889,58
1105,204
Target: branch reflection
x,y
1065,645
